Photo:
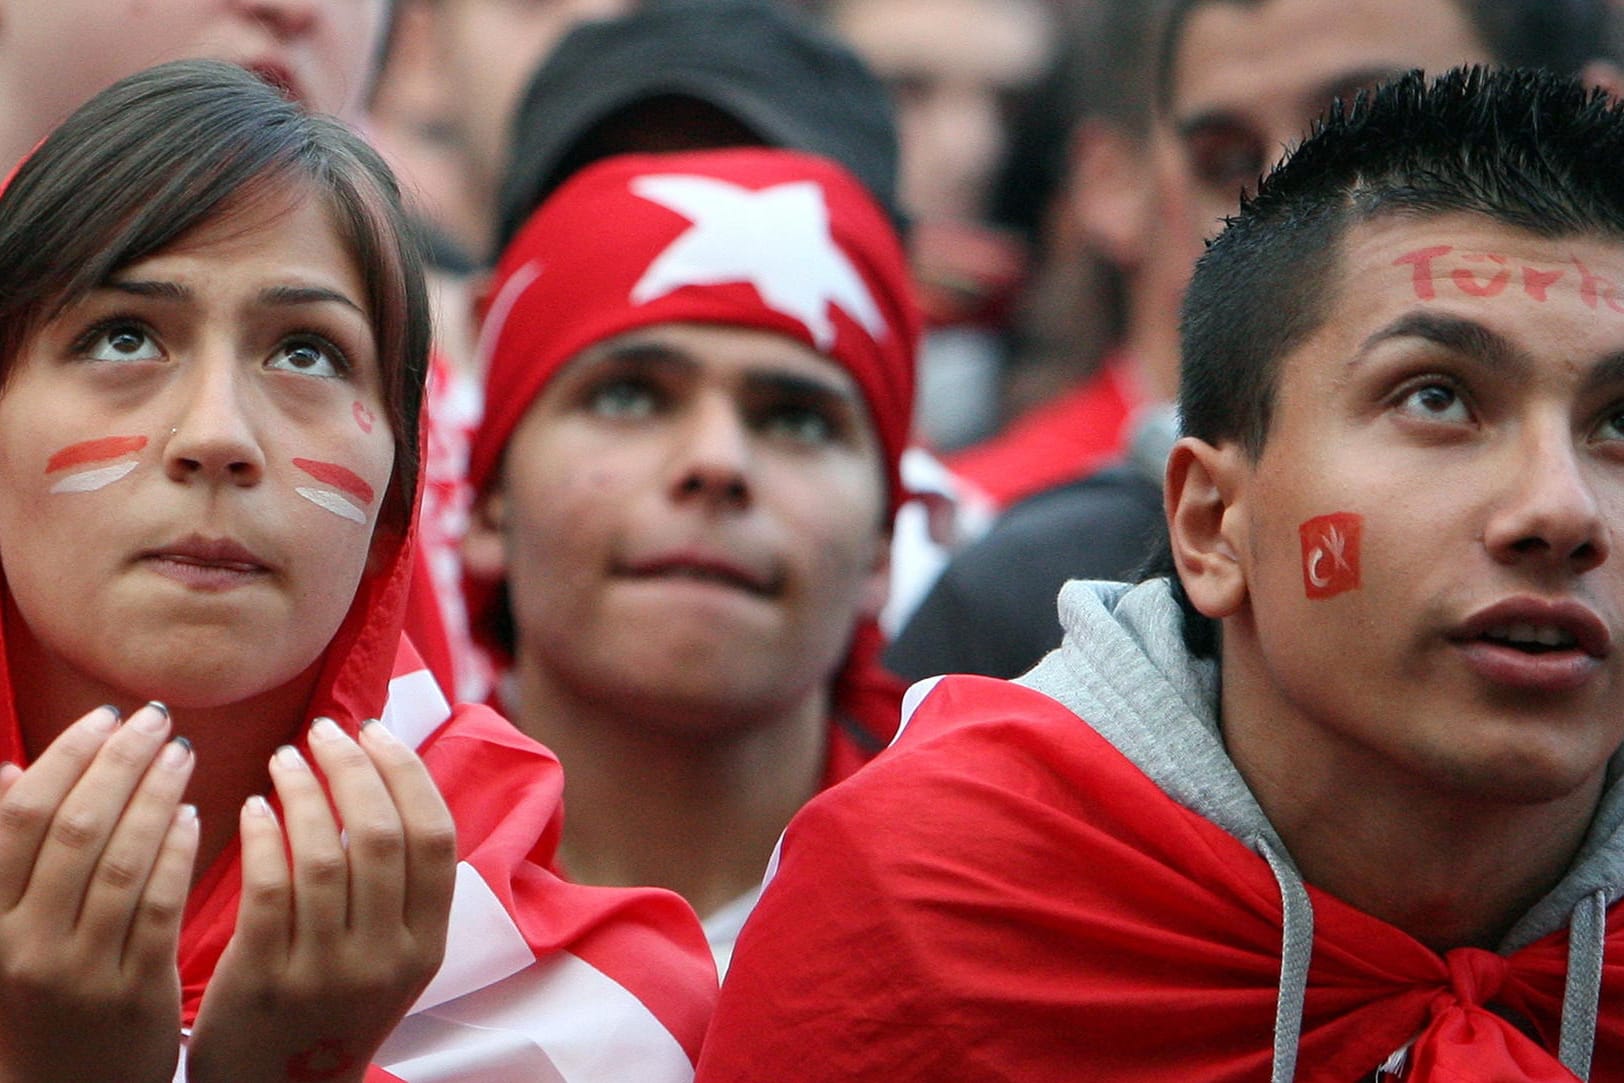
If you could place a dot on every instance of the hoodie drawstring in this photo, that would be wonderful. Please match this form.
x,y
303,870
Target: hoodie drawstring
x,y
1296,947
1581,997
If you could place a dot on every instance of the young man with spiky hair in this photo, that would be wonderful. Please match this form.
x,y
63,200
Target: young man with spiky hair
x,y
1338,797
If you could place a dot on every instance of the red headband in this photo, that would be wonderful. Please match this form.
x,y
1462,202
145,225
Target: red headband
x,y
774,240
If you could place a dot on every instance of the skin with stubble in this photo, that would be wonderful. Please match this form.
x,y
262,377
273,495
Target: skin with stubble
x,y
690,518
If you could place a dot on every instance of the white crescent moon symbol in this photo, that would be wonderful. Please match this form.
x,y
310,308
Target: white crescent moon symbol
x,y
1314,576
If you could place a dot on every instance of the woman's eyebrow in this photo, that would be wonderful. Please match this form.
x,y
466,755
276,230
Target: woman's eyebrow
x,y
307,295
145,287
165,290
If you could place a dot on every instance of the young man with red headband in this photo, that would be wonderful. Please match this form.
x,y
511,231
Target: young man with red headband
x,y
687,471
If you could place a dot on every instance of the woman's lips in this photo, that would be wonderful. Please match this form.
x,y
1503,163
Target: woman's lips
x,y
211,564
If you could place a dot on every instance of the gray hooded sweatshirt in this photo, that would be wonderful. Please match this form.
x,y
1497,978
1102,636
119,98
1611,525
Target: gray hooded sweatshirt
x,y
1123,666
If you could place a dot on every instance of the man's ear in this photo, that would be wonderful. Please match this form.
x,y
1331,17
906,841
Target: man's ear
x,y
877,585
1203,495
1109,192
484,546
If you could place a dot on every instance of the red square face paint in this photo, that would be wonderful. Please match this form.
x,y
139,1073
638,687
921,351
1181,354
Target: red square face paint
x,y
1330,553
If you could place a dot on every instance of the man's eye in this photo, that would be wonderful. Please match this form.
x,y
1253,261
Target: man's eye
x,y
1228,161
1435,402
802,424
1611,427
124,342
622,399
313,357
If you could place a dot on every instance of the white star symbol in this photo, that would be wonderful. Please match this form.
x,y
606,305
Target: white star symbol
x,y
777,239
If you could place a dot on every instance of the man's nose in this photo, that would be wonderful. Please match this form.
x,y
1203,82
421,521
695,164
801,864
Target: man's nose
x,y
712,461
1548,509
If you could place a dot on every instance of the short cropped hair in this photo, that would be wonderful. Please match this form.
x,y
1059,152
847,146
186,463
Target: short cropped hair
x,y
1523,147
1559,35
162,152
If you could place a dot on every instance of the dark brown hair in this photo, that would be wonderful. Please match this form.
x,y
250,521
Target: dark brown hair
x,y
162,152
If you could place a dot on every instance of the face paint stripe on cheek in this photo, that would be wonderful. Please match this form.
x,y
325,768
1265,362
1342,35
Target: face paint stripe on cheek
x,y
94,451
1330,545
338,477
364,418
88,452
341,478
331,501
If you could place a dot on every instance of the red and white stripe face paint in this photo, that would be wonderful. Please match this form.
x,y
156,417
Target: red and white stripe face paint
x,y
94,464
342,491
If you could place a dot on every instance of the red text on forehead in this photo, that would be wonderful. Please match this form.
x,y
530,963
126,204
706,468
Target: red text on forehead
x,y
1498,273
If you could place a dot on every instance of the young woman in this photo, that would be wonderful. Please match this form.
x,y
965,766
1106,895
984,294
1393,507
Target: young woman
x,y
213,335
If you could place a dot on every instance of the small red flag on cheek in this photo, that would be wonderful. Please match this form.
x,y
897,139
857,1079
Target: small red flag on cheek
x,y
1330,553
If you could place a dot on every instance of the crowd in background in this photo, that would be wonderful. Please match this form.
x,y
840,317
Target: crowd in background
x,y
782,354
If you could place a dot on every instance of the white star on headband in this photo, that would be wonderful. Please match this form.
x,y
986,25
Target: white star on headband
x,y
777,239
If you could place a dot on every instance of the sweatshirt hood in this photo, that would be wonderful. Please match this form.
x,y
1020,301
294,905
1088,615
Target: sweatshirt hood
x,y
1123,667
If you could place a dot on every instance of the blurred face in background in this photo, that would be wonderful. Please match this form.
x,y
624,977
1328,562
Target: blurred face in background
x,y
55,54
1249,79
957,69
488,50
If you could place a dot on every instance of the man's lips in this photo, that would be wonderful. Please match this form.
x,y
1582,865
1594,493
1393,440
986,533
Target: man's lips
x,y
1538,625
277,75
1534,645
704,568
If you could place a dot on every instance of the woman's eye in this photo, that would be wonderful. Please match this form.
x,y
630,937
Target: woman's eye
x,y
309,356
1435,402
622,399
126,342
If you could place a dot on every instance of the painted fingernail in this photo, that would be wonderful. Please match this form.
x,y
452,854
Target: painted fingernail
x,y
153,718
289,757
118,715
186,814
161,708
325,729
258,806
175,753
102,720
374,731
